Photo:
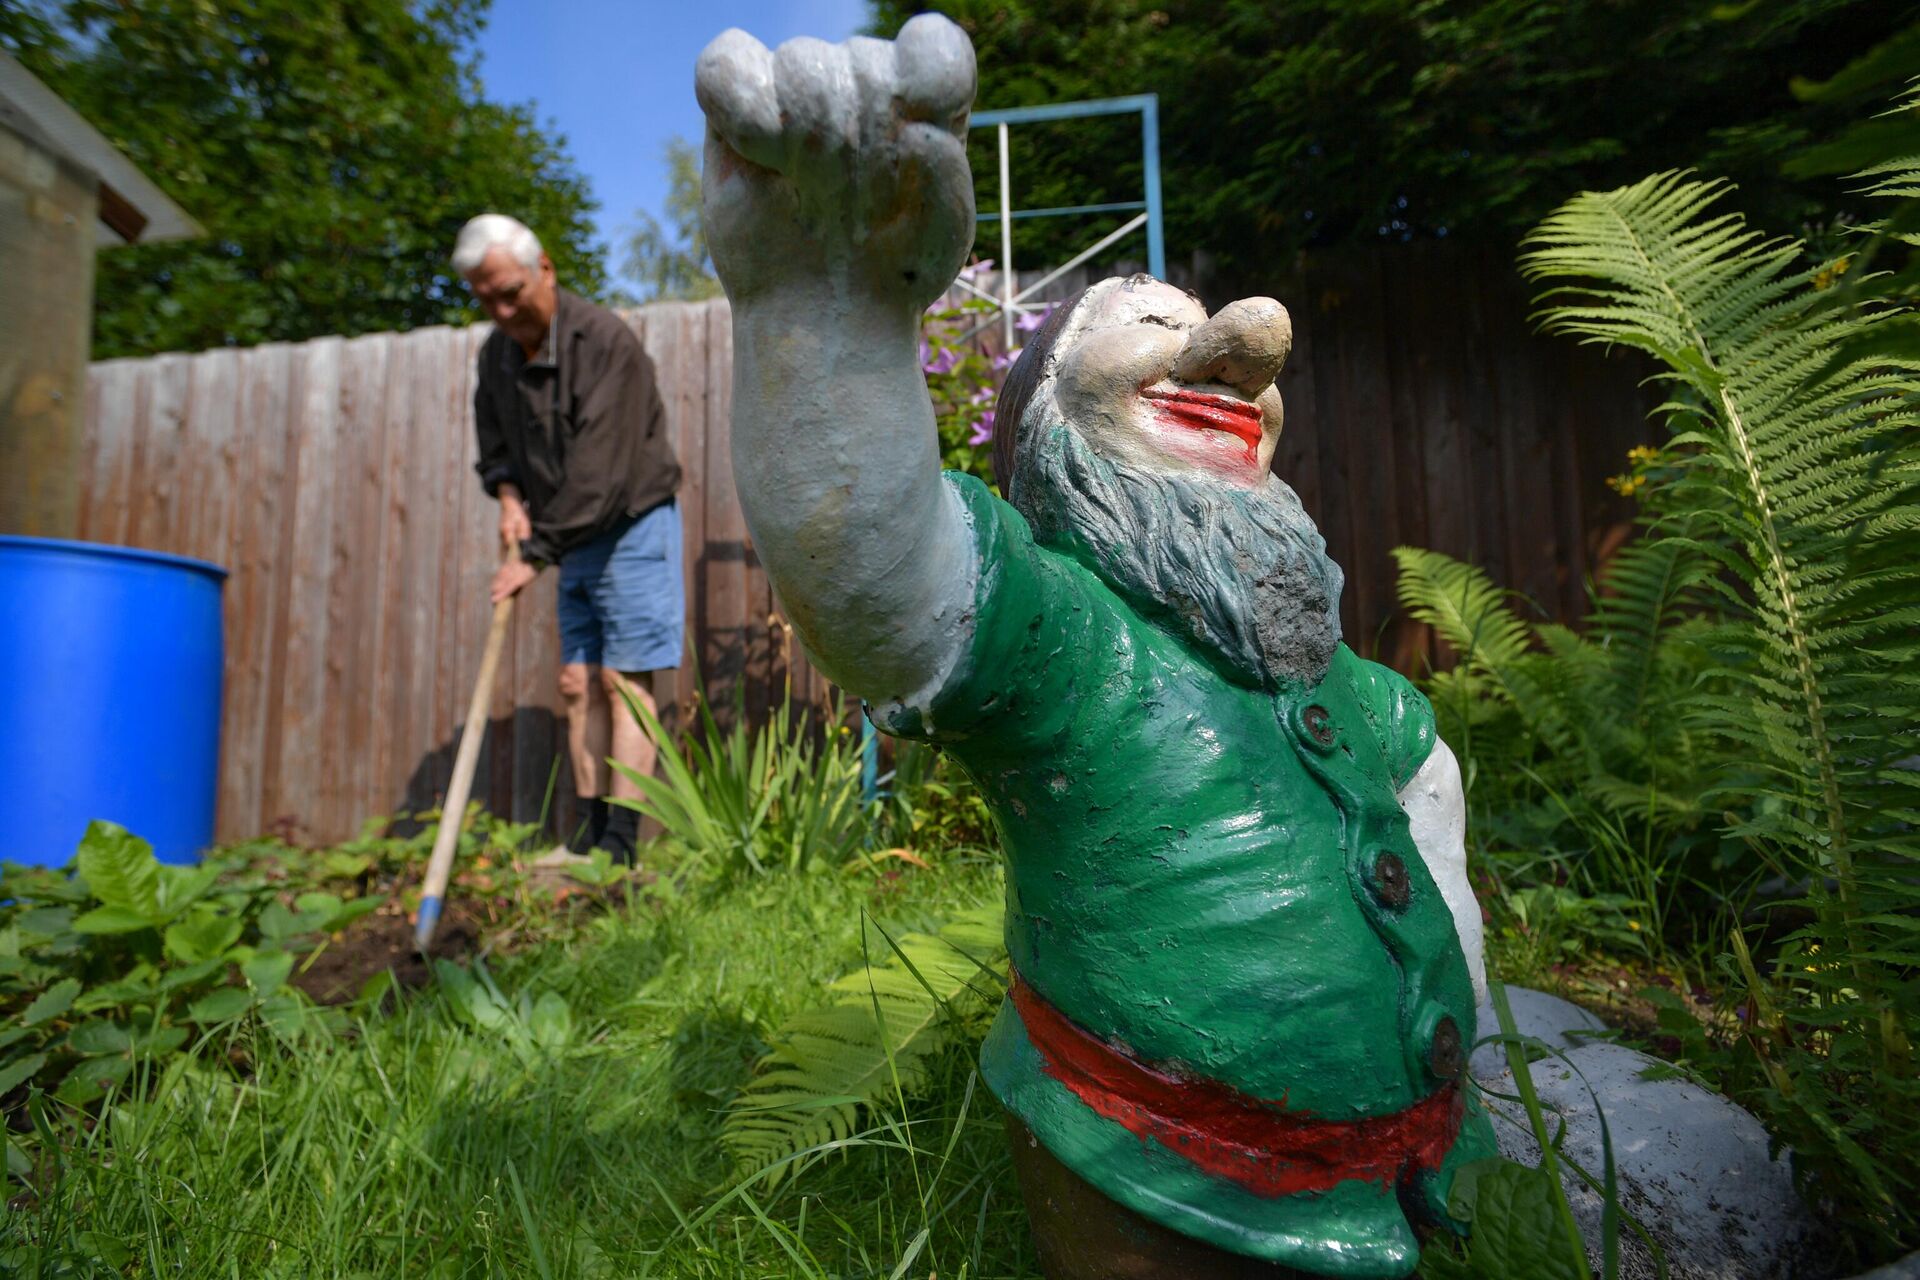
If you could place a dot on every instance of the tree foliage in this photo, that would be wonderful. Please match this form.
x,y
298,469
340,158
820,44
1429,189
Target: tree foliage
x,y
1326,122
331,148
671,262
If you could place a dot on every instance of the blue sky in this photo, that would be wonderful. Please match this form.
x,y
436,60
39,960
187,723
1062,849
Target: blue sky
x,y
616,78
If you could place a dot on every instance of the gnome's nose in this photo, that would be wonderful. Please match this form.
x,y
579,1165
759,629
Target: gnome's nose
x,y
1243,345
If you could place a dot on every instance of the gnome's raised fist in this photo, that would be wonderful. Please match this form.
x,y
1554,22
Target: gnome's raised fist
x,y
839,164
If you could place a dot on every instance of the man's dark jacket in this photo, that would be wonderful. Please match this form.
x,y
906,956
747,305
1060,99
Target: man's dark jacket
x,y
580,428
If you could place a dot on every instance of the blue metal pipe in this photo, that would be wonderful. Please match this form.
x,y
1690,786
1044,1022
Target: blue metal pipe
x,y
1150,160
1148,105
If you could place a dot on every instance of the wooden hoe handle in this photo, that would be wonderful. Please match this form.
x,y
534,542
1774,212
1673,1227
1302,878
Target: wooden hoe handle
x,y
454,810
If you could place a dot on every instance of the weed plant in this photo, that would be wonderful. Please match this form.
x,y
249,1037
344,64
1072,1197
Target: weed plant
x,y
1724,763
554,1113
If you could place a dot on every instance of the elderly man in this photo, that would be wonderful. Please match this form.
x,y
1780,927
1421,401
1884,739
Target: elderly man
x,y
1245,956
573,443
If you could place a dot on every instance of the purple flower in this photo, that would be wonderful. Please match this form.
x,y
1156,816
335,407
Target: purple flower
x,y
982,429
974,270
1005,359
980,395
945,360
1028,321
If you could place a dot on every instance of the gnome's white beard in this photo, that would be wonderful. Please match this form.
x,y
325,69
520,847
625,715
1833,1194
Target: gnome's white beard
x,y
1243,573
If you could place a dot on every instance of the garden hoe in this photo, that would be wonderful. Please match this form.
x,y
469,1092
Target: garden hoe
x,y
454,810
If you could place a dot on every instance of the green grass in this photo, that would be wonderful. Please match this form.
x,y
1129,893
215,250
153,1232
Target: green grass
x,y
558,1116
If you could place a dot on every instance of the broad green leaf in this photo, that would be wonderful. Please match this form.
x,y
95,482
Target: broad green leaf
x,y
190,975
158,1042
285,1014
92,1078
181,887
1517,1229
322,905
111,920
373,991
201,935
51,1003
136,985
17,1071
267,971
346,866
279,925
18,1163
222,1006
42,925
352,911
98,1036
551,1021
120,870
102,1247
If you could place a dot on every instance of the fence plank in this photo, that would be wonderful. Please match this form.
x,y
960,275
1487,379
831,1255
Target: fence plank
x,y
114,397
253,589
352,570
154,522
414,509
302,616
730,627
393,752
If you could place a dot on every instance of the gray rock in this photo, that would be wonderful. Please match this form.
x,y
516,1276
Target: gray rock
x,y
1546,1018
1692,1168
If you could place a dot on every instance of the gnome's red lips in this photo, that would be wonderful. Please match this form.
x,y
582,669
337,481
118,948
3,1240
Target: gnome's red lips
x,y
1204,411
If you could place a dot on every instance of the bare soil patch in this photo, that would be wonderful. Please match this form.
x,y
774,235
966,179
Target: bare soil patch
x,y
383,943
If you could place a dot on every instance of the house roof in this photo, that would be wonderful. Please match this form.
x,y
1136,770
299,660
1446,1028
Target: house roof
x,y
132,208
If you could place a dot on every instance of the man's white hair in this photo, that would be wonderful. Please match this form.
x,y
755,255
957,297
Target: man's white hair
x,y
491,229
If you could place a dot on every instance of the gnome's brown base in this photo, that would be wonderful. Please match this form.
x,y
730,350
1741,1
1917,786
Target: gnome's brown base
x,y
1082,1235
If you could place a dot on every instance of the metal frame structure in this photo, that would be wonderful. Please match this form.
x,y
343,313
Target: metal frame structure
x,y
1010,303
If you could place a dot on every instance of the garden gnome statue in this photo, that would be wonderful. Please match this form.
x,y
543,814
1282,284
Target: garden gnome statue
x,y
1245,956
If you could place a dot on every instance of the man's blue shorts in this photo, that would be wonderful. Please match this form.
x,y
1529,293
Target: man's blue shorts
x,y
622,603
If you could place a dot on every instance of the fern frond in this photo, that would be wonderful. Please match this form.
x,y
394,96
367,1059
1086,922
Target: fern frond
x,y
1465,609
873,1039
1801,449
1493,645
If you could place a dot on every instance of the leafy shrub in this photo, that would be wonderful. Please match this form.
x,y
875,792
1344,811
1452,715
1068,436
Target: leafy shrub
x,y
120,959
916,996
1744,712
930,803
756,799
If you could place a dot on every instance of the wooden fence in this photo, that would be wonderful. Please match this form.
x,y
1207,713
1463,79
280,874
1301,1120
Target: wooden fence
x,y
335,480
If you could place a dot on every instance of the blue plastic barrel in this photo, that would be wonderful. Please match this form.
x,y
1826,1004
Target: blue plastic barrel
x,y
110,666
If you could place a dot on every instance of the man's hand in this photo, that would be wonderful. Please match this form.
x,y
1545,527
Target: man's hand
x,y
516,526
839,162
512,576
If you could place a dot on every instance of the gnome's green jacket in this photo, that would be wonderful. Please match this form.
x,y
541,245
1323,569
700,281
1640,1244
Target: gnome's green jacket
x,y
1242,1004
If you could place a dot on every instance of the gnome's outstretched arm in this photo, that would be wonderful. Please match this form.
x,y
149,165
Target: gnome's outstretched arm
x,y
838,206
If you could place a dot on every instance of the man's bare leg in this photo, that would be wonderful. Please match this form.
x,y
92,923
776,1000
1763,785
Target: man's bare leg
x,y
632,747
589,739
